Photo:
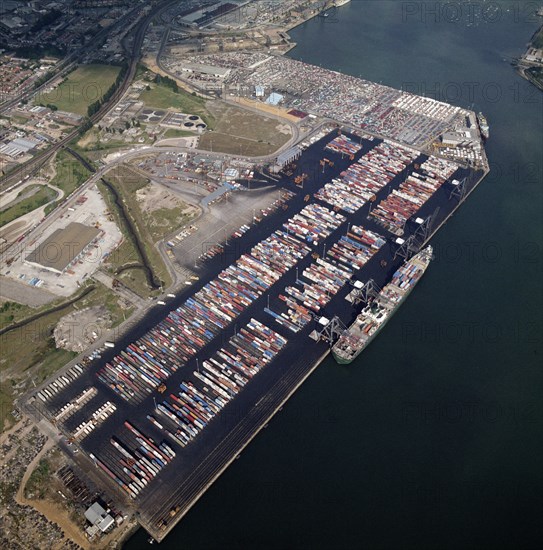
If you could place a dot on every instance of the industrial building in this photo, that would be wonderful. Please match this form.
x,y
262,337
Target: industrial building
x,y
274,99
17,147
99,519
286,157
63,247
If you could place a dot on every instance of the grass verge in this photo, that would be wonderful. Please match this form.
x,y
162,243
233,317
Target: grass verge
x,y
29,352
42,196
85,85
126,183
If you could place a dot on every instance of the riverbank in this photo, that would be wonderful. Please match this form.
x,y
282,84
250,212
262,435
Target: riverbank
x,y
449,381
293,25
530,64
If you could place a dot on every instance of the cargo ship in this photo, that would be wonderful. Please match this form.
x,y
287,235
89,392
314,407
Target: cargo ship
x,y
483,126
377,312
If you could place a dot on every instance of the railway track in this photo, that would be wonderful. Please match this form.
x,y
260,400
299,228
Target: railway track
x,y
32,166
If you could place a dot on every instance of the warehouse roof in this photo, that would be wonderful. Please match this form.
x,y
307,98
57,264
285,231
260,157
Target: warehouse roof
x,y
60,249
274,98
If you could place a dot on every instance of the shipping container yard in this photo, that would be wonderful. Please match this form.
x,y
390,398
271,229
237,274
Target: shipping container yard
x,y
166,409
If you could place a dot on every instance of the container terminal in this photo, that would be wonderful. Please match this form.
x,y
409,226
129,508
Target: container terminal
x,y
161,412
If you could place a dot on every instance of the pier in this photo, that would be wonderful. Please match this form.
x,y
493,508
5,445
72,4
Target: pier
x,y
194,402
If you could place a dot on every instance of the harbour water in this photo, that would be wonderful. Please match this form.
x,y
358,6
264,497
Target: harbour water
x,y
432,438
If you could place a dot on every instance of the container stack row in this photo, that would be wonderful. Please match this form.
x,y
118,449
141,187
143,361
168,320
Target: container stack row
x,y
394,211
147,363
97,417
344,145
133,459
314,223
357,247
366,177
60,383
217,381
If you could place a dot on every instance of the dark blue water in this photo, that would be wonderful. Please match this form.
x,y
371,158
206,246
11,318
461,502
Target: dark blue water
x,y
434,437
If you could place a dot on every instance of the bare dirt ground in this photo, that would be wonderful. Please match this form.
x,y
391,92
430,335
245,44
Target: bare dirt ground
x,y
154,197
266,108
49,509
87,139
150,62
22,525
79,329
179,142
163,210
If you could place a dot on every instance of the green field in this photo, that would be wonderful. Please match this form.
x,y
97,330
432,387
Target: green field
x,y
84,86
39,195
126,183
30,350
241,132
162,97
70,173
173,133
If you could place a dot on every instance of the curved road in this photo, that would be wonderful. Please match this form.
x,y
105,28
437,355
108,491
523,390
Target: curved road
x,y
30,167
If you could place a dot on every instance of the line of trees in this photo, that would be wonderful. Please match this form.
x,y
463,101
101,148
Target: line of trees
x,y
93,108
167,81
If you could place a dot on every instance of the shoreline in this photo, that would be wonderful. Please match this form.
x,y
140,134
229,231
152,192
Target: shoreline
x,y
521,71
267,414
521,64
263,425
285,30
121,540
292,390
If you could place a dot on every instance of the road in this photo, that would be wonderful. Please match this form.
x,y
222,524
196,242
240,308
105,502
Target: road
x,y
30,167
131,155
69,62
120,289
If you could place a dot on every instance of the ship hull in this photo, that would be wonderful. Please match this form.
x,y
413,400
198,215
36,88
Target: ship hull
x,y
348,360
483,126
344,361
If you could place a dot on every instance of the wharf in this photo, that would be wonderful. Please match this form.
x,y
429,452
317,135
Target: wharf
x,y
167,497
